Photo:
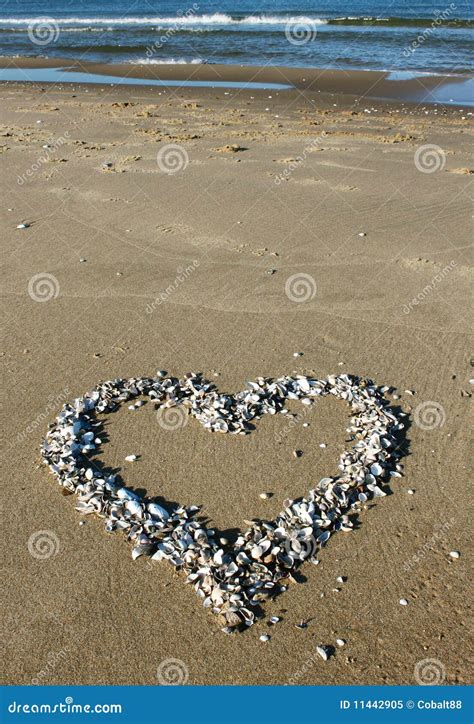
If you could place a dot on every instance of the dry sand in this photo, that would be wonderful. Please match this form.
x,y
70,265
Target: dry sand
x,y
294,201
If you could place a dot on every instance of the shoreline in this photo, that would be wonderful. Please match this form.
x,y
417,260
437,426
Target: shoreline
x,y
404,87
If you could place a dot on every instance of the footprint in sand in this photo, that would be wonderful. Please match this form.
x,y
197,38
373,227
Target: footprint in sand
x,y
175,229
465,171
434,267
345,188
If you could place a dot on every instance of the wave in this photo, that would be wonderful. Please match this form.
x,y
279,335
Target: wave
x,y
398,22
214,19
190,20
166,61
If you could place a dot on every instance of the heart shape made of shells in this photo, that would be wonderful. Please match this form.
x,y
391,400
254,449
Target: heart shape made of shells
x,y
233,579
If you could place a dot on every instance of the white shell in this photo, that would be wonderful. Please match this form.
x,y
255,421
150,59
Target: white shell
x,y
323,652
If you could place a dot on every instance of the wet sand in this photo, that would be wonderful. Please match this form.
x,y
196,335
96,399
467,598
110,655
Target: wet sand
x,y
350,86
190,270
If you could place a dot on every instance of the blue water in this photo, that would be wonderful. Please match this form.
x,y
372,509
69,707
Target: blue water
x,y
349,34
64,75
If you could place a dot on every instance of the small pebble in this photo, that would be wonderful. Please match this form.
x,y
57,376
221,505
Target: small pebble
x,y
455,554
403,602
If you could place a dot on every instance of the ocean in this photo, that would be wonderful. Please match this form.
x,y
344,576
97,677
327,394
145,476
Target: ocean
x,y
351,34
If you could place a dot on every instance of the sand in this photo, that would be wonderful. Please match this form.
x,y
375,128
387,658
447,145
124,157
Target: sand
x,y
187,271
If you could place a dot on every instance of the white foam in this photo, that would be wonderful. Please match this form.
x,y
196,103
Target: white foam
x,y
214,19
165,61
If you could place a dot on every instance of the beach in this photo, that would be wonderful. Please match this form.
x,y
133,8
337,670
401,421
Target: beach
x,y
324,228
